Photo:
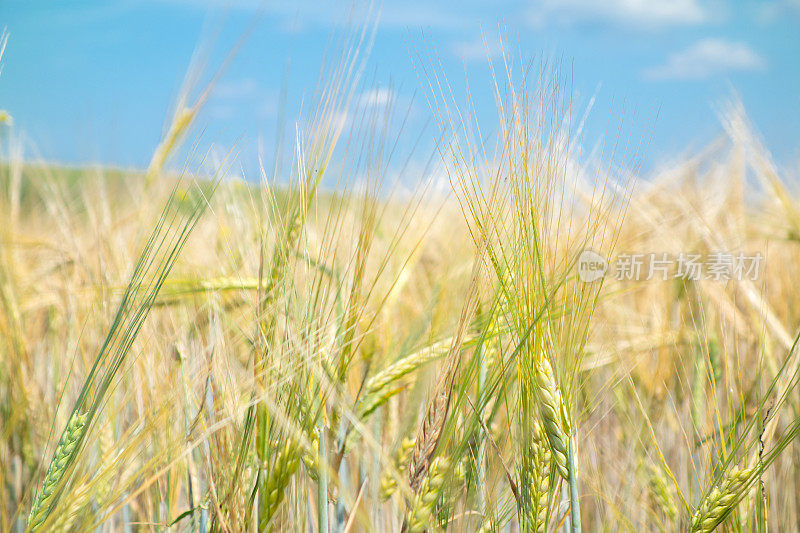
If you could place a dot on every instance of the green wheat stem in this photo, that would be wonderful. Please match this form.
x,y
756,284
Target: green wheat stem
x,y
575,508
481,458
322,483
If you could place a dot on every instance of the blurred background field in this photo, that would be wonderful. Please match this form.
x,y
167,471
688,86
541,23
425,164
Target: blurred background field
x,y
372,333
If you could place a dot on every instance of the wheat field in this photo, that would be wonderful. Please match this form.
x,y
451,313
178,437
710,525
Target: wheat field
x,y
332,350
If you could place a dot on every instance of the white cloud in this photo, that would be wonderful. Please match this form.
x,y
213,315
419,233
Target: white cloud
x,y
707,58
635,13
221,112
268,107
235,89
377,97
397,14
481,48
444,15
769,12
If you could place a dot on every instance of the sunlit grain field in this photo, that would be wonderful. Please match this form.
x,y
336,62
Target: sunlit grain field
x,y
554,343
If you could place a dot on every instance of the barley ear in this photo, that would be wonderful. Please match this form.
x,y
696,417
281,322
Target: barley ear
x,y
534,481
389,479
660,492
553,413
64,452
716,505
274,485
421,514
382,386
430,431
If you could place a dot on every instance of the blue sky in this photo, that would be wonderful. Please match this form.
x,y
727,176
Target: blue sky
x,y
93,81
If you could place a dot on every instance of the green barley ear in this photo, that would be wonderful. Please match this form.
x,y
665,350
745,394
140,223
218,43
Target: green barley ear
x,y
553,412
154,264
534,481
660,492
273,486
311,456
383,385
716,505
698,394
389,479
491,348
715,358
178,127
70,438
420,517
